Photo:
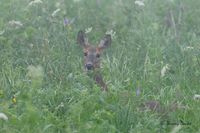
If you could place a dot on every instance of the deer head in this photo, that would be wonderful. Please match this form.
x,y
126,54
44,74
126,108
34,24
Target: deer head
x,y
92,54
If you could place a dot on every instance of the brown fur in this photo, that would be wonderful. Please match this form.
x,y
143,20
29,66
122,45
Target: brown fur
x,y
92,56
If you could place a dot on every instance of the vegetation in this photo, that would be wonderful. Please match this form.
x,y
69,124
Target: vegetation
x,y
154,56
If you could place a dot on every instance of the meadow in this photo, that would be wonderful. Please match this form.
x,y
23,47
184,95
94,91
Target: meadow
x,y
154,56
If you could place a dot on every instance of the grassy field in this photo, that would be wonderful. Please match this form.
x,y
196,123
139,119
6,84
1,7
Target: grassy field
x,y
154,56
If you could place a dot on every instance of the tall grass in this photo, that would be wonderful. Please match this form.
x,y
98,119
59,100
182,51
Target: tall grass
x,y
43,87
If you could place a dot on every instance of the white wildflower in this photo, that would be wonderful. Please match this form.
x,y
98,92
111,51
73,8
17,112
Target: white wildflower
x,y
61,105
88,30
196,97
139,3
35,2
35,71
3,116
55,12
2,32
31,45
112,33
176,129
15,23
188,48
164,70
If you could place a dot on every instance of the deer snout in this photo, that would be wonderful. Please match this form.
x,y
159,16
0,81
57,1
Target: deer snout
x,y
89,66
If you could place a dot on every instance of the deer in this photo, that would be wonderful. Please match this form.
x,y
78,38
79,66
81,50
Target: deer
x,y
92,56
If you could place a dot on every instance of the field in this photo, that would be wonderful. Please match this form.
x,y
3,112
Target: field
x,y
154,58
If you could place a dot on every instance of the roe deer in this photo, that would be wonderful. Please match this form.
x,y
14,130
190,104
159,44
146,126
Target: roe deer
x,y
92,56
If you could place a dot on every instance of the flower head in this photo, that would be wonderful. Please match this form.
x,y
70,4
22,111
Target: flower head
x,y
35,2
188,48
55,12
15,24
3,116
67,21
139,3
14,100
88,30
112,33
164,70
196,97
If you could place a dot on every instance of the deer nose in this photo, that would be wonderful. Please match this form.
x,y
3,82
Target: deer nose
x,y
89,66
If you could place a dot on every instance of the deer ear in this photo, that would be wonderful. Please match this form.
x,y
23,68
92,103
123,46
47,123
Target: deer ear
x,y
81,38
105,42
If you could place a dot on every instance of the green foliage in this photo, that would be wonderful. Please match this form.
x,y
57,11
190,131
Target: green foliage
x,y
44,89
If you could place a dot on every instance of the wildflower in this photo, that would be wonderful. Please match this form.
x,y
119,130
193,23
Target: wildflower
x,y
139,3
188,48
15,24
35,72
164,70
55,12
112,33
3,116
35,2
67,22
88,30
196,97
2,32
31,45
14,100
61,105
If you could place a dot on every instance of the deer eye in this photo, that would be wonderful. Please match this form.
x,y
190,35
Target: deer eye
x,y
97,55
85,53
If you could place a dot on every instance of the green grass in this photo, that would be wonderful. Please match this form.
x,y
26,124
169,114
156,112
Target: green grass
x,y
41,65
